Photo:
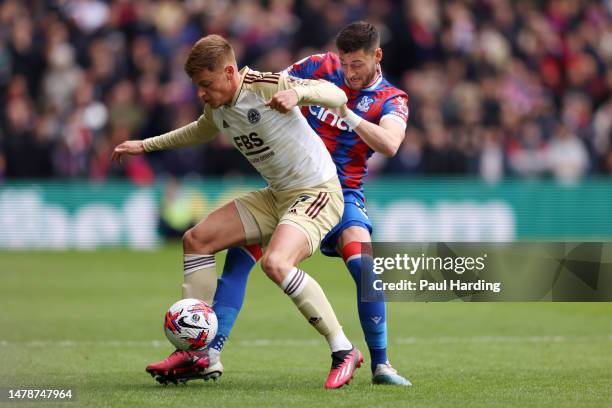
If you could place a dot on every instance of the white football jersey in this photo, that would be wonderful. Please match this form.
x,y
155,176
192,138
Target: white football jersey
x,y
281,146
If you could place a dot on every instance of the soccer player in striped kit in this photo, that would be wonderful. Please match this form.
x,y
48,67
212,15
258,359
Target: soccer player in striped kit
x,y
258,112
373,120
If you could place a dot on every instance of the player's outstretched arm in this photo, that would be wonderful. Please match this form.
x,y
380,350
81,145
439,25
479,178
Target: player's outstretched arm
x,y
182,137
130,147
200,131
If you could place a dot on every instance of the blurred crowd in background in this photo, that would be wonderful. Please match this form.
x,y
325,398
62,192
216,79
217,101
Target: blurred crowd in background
x,y
497,88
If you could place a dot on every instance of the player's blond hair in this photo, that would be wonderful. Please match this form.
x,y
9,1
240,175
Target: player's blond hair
x,y
210,53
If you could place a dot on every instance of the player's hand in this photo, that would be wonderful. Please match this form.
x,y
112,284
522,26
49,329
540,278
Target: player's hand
x,y
342,111
131,147
283,101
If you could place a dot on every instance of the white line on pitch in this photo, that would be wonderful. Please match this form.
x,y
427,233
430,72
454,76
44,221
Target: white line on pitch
x,y
305,342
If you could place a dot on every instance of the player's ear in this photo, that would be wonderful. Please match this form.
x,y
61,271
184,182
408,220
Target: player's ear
x,y
378,54
229,71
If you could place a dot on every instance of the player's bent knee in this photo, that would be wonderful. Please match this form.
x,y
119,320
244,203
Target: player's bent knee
x,y
276,266
189,241
194,244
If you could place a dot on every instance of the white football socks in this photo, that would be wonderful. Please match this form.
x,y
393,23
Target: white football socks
x,y
200,277
312,303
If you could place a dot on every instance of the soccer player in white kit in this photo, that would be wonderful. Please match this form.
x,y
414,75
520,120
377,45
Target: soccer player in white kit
x,y
259,113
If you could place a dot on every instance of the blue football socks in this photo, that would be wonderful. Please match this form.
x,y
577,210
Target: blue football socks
x,y
372,314
231,289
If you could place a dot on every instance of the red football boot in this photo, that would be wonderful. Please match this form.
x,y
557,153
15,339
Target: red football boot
x,y
344,364
180,366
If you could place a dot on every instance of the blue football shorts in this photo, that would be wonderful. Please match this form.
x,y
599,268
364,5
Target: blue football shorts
x,y
355,214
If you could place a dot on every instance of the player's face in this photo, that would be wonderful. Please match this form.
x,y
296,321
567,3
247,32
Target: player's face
x,y
215,87
360,67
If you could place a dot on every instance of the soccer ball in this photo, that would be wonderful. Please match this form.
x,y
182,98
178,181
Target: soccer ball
x,y
190,324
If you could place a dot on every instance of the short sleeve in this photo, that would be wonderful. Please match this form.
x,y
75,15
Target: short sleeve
x,y
396,108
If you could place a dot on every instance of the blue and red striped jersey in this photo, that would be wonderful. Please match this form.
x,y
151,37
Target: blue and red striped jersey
x,y
349,152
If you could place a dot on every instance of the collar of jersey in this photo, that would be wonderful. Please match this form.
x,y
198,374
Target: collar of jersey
x,y
243,73
372,85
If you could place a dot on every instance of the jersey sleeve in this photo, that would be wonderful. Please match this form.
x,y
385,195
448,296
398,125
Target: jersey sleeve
x,y
309,91
314,91
199,131
396,108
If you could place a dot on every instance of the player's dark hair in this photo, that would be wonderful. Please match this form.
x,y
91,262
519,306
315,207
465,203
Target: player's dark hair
x,y
359,35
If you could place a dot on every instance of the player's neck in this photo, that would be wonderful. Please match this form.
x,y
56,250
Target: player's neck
x,y
235,87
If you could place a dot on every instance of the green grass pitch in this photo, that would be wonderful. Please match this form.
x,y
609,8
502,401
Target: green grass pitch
x,y
91,321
